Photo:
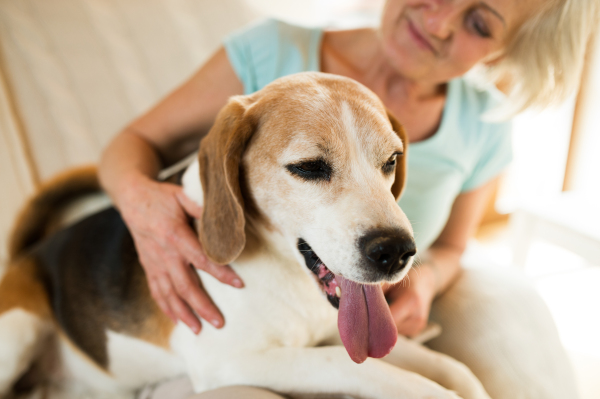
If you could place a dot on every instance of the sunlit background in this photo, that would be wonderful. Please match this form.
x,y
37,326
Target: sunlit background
x,y
545,218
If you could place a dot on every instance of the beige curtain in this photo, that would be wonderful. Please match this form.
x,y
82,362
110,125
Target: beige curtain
x,y
76,71
17,174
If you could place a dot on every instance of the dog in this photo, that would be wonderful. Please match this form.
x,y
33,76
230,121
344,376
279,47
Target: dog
x,y
299,185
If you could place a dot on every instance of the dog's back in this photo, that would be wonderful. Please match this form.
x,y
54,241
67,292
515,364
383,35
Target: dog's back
x,y
38,218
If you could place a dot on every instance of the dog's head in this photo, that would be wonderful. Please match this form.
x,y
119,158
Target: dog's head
x,y
317,159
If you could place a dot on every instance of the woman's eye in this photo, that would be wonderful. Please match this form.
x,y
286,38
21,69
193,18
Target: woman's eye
x,y
476,23
311,170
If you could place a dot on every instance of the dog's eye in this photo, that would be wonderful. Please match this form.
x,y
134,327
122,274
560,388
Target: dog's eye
x,y
390,165
311,170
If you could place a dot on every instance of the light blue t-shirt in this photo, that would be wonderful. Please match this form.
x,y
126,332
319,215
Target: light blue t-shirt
x,y
462,155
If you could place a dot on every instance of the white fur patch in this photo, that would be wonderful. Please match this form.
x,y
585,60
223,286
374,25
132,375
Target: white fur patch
x,y
138,362
192,187
20,335
133,363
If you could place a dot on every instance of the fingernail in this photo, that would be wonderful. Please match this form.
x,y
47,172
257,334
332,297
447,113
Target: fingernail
x,y
237,283
196,330
216,323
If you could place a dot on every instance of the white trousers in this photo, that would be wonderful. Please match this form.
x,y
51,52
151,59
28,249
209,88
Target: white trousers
x,y
494,322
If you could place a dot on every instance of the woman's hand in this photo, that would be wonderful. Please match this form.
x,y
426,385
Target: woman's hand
x,y
157,217
410,300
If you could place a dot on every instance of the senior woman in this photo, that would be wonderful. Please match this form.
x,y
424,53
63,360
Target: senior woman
x,y
414,62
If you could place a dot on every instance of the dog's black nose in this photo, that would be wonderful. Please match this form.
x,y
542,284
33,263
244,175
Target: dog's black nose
x,y
388,251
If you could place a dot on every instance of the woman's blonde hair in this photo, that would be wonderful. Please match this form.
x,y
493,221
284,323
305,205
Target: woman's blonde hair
x,y
542,62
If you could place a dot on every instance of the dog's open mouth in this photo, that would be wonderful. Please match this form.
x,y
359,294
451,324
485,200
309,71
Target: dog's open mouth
x,y
326,278
365,322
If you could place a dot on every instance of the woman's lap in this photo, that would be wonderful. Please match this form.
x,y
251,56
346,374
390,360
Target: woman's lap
x,y
495,323
181,388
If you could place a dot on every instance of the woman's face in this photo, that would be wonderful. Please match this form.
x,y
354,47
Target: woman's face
x,y
437,40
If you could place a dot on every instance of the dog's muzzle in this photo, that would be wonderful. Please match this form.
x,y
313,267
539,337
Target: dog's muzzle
x,y
365,322
386,252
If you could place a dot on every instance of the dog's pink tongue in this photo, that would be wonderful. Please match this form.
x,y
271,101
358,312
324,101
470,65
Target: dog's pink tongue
x,y
365,321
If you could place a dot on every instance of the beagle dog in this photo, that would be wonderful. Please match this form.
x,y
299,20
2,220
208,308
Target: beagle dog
x,y
299,183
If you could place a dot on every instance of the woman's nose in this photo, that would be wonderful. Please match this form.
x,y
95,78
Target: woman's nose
x,y
439,18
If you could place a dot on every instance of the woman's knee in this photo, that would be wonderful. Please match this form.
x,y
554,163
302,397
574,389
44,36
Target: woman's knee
x,y
181,388
496,323
237,392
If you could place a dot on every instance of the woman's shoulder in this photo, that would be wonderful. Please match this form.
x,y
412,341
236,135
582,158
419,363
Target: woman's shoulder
x,y
478,96
269,49
470,111
484,144
271,29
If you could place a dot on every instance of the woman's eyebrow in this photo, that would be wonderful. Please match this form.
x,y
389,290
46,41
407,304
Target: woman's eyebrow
x,y
490,9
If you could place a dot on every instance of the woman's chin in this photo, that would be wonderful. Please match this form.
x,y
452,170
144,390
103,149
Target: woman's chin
x,y
407,62
407,66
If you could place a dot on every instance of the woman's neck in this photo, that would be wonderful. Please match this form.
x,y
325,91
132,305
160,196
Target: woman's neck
x,y
358,54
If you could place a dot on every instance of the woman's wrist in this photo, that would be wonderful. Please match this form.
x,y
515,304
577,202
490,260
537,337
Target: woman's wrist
x,y
129,187
442,270
431,269
127,164
425,279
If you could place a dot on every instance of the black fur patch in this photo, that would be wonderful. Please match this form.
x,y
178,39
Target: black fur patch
x,y
94,281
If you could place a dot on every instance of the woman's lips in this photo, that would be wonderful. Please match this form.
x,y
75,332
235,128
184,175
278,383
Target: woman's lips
x,y
419,38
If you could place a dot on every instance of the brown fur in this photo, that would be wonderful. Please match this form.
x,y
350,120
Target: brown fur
x,y
222,230
21,288
32,223
157,327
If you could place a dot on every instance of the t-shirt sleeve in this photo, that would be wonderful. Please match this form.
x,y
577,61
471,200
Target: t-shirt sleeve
x,y
495,155
270,49
247,50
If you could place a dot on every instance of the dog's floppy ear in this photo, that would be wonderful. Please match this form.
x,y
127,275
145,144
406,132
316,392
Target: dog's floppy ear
x,y
221,229
401,163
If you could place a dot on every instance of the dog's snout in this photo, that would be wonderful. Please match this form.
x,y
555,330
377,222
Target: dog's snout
x,y
388,251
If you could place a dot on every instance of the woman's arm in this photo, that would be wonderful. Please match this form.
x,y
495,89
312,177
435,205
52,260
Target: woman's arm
x,y
410,299
157,213
173,128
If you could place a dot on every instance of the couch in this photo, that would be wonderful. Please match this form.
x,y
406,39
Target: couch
x,y
73,72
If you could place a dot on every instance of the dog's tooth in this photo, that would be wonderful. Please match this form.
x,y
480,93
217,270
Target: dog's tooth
x,y
338,292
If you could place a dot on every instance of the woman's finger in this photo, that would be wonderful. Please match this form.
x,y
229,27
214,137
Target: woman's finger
x,y
190,207
400,311
156,293
151,265
178,307
411,327
185,313
188,245
189,289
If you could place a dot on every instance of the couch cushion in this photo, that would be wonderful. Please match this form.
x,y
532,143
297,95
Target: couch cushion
x,y
78,70
81,69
